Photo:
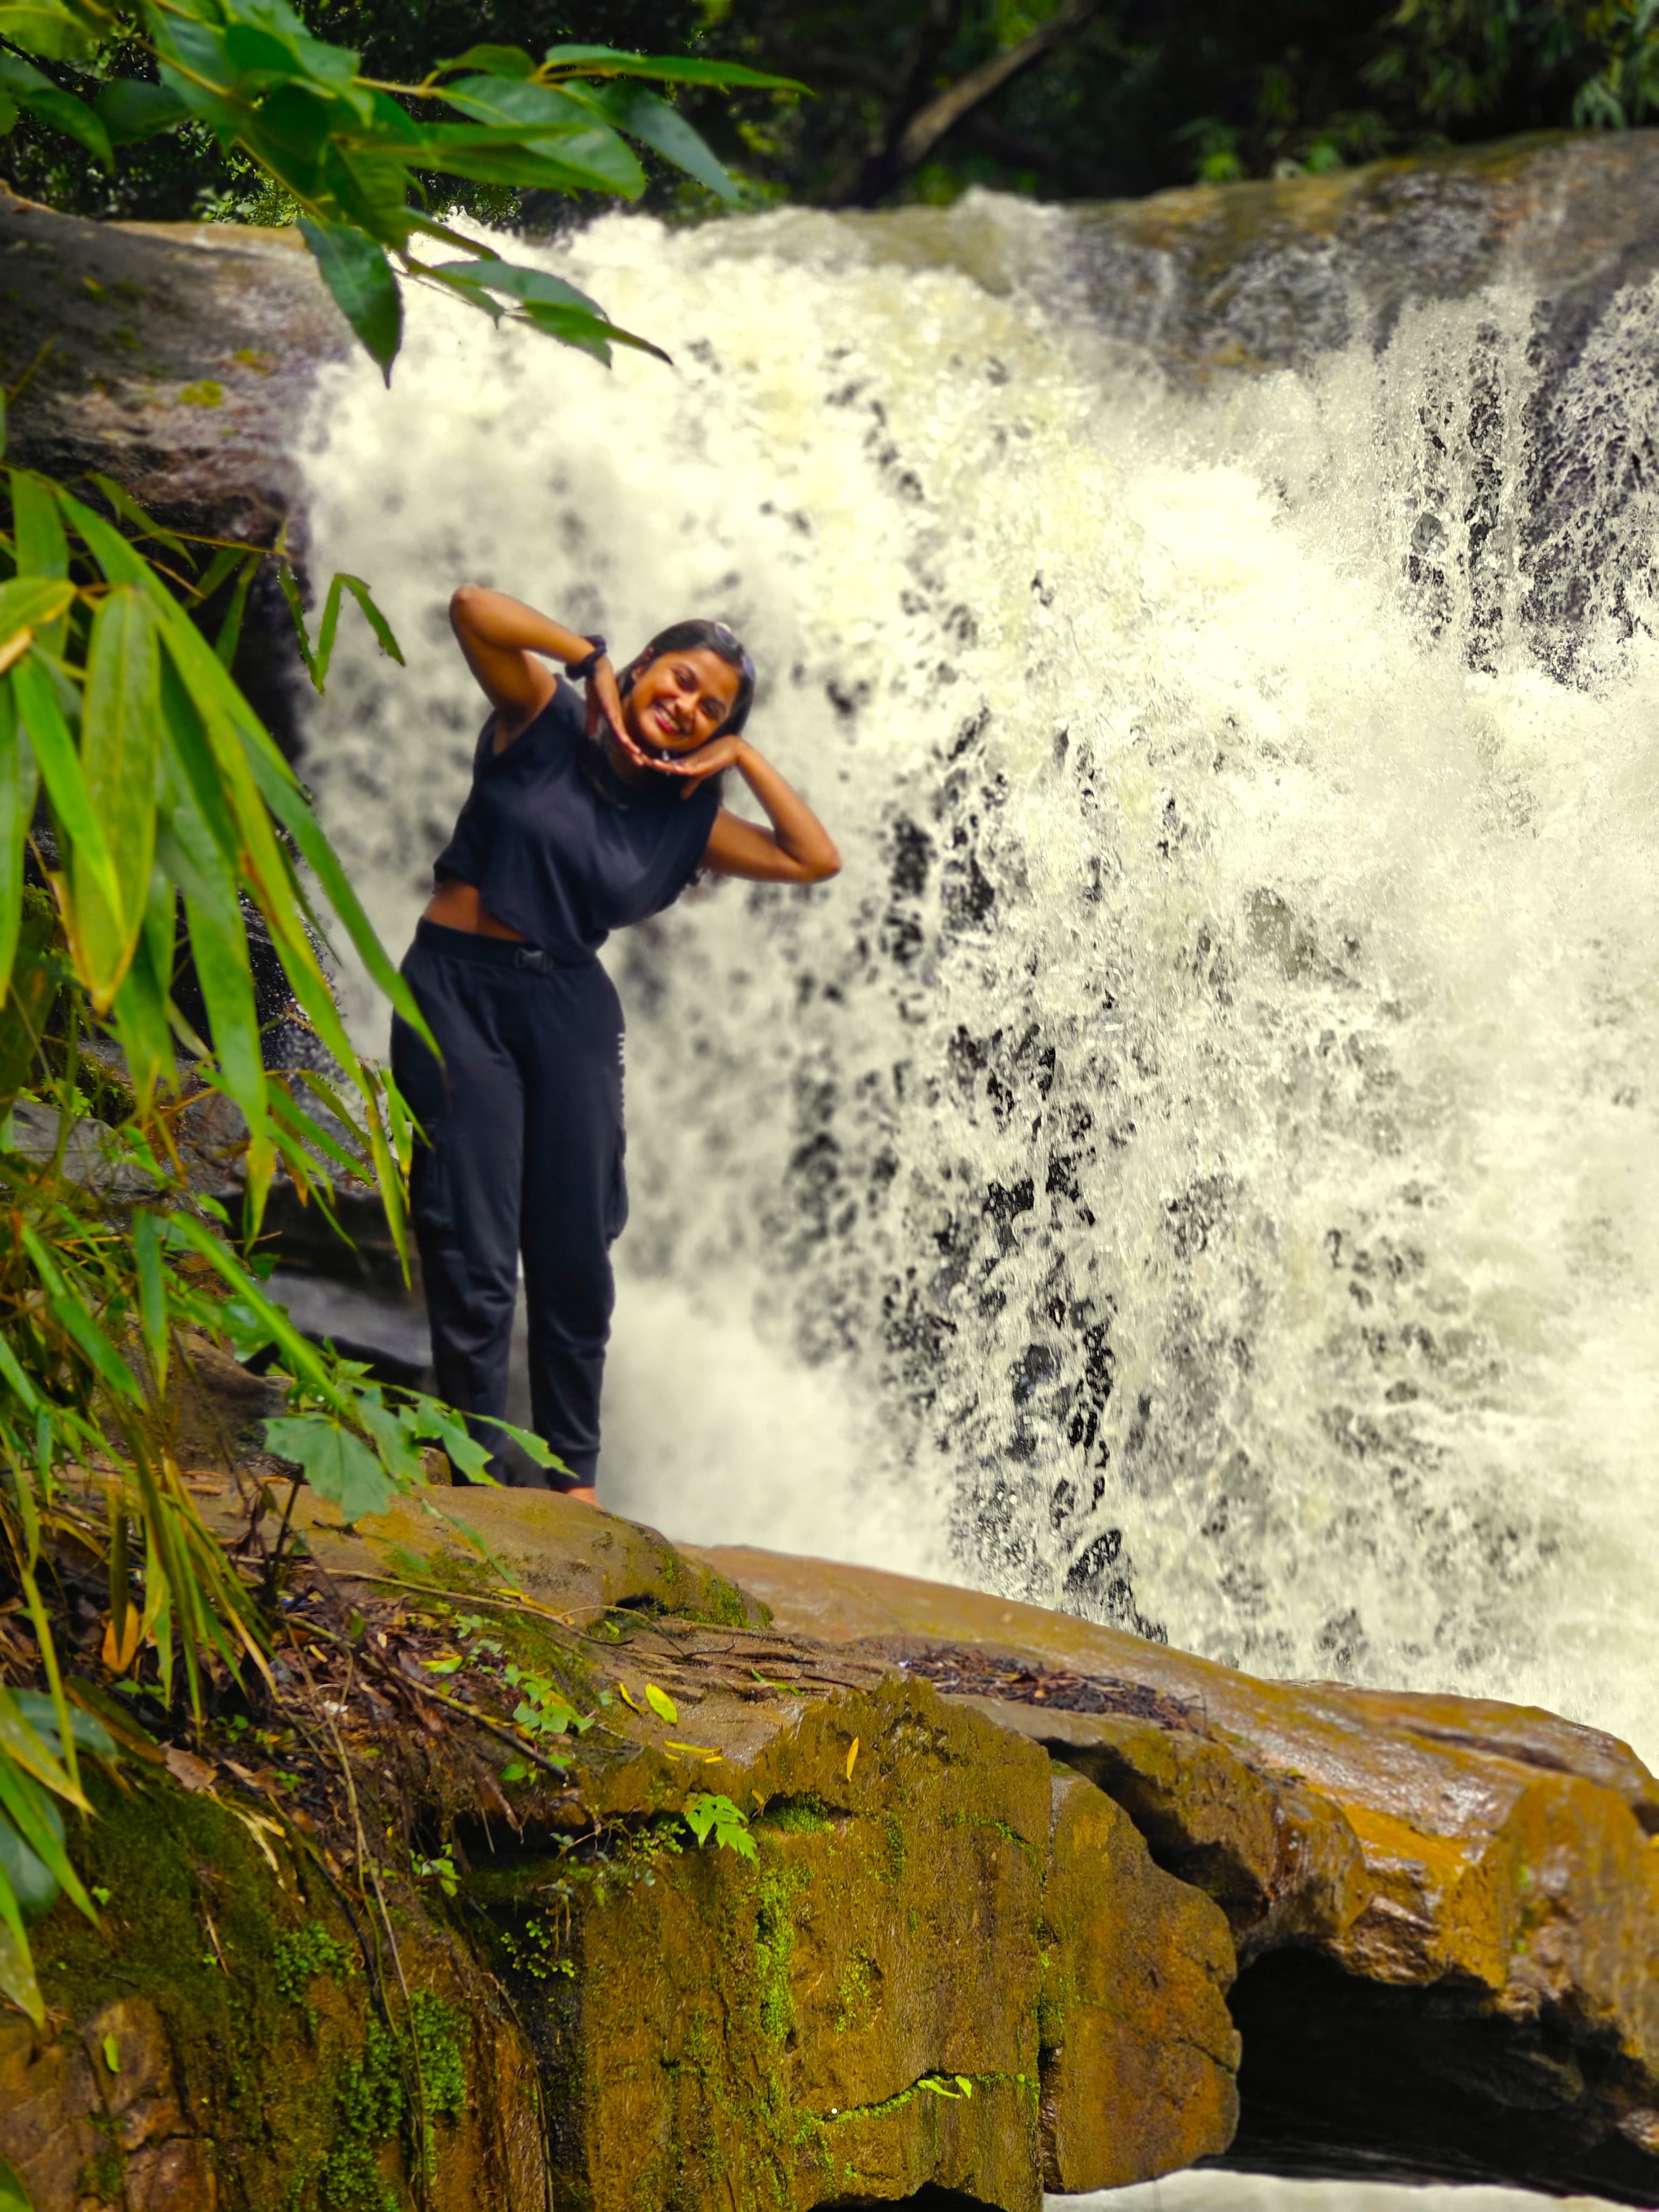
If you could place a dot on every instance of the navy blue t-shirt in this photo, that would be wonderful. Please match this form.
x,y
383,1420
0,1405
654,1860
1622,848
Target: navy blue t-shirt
x,y
560,847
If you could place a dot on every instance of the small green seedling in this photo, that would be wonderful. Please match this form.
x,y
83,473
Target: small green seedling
x,y
708,1814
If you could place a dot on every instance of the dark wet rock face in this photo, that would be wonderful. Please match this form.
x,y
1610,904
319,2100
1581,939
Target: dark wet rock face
x,y
1269,276
180,359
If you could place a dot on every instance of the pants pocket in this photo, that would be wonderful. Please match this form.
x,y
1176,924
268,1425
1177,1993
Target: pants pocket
x,y
615,1206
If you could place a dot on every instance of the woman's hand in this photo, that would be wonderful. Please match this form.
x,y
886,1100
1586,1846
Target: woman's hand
x,y
694,769
603,703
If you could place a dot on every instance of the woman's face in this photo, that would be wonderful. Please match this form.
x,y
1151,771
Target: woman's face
x,y
679,700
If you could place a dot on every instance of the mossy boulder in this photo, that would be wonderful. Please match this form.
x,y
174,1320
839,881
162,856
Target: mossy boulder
x,y
224,2042
1448,1909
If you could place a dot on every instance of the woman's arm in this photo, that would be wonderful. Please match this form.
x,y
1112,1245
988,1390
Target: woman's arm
x,y
508,646
796,849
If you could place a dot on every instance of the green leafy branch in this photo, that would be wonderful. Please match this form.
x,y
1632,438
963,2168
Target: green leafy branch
x,y
355,154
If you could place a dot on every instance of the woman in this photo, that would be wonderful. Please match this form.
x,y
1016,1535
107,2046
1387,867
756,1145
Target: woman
x,y
581,818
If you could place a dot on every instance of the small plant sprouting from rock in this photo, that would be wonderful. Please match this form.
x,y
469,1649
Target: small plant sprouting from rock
x,y
708,1815
440,1869
299,1956
543,1709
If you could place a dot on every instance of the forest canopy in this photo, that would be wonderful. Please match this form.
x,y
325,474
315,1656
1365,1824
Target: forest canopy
x,y
919,99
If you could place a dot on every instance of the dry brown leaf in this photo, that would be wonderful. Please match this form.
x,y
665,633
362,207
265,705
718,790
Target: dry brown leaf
x,y
190,1772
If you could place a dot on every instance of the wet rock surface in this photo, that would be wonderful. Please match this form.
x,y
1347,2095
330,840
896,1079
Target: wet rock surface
x,y
179,359
1447,1908
986,1945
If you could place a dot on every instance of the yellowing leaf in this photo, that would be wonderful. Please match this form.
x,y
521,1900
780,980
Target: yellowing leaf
x,y
660,1703
119,1653
851,1756
112,2054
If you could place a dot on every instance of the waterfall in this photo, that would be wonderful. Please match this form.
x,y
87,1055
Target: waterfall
x,y
1197,1164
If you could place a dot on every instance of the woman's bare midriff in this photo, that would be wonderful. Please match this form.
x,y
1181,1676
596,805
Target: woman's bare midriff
x,y
456,905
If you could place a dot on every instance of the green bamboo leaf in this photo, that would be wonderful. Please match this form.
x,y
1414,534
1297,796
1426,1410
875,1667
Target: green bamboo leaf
x,y
667,69
644,116
17,1978
338,1465
308,1132
40,1826
220,722
389,1179
152,1293
23,1747
59,764
42,547
124,503
120,745
358,274
661,1704
230,629
18,781
288,584
270,783
31,602
299,1358
227,558
120,564
371,614
19,1383
218,945
289,805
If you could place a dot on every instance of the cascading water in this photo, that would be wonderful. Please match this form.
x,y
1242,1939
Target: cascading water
x,y
1198,1163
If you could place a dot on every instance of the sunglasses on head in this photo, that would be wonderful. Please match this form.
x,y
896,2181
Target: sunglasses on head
x,y
730,637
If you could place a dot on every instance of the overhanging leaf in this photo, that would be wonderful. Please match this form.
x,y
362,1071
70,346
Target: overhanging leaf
x,y
498,61
357,271
516,283
338,1466
44,29
131,110
666,69
644,116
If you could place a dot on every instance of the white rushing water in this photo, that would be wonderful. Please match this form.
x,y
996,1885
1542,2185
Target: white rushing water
x,y
1197,1164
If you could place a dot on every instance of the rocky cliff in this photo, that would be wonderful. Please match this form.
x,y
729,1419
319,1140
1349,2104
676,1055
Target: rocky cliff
x,y
1030,1902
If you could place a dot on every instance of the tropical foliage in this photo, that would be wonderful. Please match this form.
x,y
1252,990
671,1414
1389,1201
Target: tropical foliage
x,y
150,830
1079,99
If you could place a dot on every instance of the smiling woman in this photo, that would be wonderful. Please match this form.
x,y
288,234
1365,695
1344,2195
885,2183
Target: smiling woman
x,y
583,817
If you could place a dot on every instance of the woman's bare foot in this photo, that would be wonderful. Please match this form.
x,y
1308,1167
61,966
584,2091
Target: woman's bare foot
x,y
584,1493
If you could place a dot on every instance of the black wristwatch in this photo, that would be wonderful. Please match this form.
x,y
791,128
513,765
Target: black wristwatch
x,y
580,670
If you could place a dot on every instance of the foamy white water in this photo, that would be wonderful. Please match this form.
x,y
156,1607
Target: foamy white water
x,y
1198,1163
1213,2192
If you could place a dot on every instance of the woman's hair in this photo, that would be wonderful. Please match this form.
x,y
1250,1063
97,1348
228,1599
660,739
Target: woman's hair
x,y
687,637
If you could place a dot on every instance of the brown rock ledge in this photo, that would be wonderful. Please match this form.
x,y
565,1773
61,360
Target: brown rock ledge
x,y
1447,1908
1006,1863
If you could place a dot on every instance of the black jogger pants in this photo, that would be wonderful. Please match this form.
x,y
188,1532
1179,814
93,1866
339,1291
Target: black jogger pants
x,y
524,1122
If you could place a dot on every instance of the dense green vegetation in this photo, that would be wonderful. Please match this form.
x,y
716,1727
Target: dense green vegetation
x,y
150,830
1061,98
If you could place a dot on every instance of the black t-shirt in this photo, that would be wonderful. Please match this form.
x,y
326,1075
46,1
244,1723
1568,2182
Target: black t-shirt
x,y
560,847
